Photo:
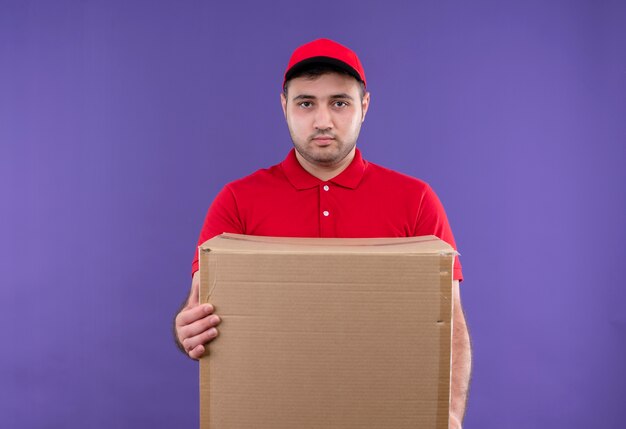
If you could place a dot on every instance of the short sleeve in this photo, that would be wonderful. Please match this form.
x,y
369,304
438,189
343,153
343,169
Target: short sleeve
x,y
221,217
432,220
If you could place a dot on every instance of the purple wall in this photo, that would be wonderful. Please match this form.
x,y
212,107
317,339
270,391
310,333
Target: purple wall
x,y
119,122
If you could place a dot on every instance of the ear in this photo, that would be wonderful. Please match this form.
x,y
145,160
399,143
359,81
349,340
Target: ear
x,y
283,103
365,104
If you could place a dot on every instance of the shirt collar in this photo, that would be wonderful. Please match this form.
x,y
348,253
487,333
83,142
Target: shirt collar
x,y
302,179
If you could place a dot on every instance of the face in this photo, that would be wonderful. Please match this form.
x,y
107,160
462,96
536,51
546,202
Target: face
x,y
324,116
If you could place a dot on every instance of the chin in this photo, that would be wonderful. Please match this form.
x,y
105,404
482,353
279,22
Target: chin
x,y
325,155
328,159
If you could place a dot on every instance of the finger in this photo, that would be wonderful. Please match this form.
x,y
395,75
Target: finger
x,y
199,326
190,315
194,295
197,352
202,338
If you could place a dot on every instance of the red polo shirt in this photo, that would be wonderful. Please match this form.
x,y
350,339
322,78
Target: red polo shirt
x,y
365,200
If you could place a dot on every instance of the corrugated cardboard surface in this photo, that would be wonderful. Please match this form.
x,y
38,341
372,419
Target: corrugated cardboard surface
x,y
327,333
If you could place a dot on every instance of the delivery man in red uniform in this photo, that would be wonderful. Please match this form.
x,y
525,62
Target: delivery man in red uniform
x,y
324,188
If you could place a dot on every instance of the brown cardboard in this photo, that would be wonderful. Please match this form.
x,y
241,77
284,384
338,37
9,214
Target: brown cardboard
x,y
327,333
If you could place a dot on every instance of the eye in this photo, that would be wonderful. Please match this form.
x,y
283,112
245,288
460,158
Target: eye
x,y
340,104
305,104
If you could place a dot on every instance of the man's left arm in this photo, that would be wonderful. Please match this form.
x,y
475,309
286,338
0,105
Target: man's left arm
x,y
461,360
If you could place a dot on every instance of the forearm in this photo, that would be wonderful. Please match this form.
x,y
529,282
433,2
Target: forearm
x,y
461,360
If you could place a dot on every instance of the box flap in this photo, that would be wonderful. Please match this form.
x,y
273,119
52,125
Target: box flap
x,y
428,244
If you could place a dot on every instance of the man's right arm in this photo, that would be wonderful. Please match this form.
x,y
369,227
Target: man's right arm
x,y
195,324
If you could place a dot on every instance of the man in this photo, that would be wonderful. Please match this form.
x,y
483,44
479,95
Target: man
x,y
324,188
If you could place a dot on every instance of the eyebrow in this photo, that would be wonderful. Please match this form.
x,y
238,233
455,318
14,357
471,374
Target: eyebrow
x,y
312,97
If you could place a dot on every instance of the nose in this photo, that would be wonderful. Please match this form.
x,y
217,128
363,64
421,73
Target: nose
x,y
323,118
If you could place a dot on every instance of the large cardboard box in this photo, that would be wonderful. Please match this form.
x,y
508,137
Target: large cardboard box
x,y
327,333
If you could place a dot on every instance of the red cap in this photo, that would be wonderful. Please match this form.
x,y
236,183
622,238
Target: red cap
x,y
325,51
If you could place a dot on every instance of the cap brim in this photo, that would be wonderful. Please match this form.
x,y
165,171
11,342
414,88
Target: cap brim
x,y
304,64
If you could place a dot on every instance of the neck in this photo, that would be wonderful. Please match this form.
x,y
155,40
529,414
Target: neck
x,y
324,172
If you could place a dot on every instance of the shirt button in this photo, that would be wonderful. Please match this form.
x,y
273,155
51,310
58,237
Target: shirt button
x,y
326,188
325,213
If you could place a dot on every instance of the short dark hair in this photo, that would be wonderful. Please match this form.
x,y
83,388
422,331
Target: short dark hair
x,y
316,70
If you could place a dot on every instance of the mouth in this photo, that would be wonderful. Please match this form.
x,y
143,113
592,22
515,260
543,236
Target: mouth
x,y
322,140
